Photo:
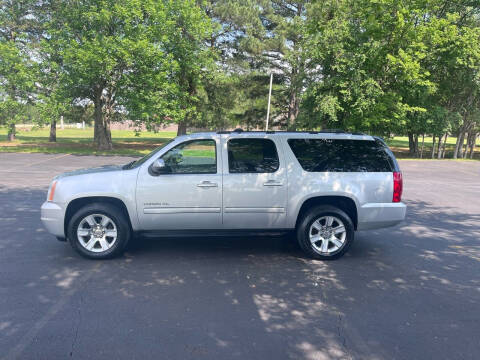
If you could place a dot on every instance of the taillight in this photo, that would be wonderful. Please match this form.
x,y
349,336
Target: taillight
x,y
397,187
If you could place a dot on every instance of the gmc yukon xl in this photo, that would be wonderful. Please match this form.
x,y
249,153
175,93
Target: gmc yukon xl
x,y
322,185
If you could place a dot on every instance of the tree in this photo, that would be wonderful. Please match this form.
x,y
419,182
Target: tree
x,y
369,60
113,53
278,46
189,27
18,30
223,95
217,98
252,96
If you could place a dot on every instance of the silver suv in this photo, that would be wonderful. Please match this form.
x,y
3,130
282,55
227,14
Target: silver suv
x,y
322,185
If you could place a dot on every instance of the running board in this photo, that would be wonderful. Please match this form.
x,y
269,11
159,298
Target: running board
x,y
212,233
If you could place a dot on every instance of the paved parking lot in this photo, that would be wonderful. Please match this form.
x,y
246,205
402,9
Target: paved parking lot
x,y
410,292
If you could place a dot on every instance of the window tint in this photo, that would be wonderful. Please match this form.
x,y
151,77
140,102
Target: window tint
x,y
317,155
252,156
192,157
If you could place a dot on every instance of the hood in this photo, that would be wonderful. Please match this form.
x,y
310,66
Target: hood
x,y
101,169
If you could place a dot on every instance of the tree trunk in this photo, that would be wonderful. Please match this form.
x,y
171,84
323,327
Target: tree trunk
x,y
101,133
411,145
472,145
416,145
182,128
433,147
439,155
423,143
11,132
192,90
459,144
53,131
465,150
444,145
293,109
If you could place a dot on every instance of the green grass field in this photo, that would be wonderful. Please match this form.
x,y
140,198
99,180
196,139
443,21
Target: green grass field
x,y
399,145
78,141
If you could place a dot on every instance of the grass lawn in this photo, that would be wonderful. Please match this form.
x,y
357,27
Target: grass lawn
x,y
399,146
78,141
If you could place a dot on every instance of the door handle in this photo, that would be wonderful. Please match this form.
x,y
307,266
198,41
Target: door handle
x,y
207,184
272,183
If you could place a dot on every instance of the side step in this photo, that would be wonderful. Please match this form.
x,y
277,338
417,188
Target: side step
x,y
212,233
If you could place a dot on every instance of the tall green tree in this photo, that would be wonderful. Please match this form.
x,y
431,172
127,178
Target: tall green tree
x,y
454,60
280,48
188,29
113,53
223,94
18,32
369,64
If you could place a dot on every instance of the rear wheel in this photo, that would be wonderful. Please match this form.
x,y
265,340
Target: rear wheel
x,y
99,231
325,232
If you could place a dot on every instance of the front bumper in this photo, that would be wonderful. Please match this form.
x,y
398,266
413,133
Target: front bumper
x,y
380,215
52,216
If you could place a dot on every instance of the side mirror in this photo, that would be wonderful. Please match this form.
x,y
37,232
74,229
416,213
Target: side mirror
x,y
158,167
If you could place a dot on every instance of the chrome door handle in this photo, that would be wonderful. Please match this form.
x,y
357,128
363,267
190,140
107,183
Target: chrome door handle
x,y
272,183
207,184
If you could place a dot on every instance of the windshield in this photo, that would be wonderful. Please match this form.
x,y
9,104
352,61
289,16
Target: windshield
x,y
137,163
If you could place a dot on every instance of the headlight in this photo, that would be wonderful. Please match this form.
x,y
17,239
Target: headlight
x,y
51,191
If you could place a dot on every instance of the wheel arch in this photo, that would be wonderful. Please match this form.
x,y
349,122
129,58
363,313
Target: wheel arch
x,y
77,203
344,203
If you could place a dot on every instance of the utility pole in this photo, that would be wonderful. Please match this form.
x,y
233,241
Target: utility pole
x,y
269,97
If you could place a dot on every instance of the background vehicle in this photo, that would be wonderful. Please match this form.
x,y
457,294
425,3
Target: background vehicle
x,y
322,185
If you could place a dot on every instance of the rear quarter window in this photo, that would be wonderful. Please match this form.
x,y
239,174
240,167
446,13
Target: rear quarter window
x,y
341,155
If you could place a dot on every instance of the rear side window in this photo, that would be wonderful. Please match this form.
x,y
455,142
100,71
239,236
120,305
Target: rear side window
x,y
252,156
336,155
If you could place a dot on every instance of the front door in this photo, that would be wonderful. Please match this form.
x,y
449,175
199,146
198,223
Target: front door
x,y
254,184
188,195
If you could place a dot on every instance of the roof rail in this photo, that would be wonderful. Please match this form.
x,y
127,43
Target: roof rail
x,y
334,131
324,131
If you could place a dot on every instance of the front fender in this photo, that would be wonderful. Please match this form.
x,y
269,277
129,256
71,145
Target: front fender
x,y
119,185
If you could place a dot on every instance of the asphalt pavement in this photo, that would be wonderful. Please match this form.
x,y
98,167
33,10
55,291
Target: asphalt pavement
x,y
408,292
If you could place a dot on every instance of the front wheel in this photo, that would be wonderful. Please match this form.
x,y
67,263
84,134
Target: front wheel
x,y
325,232
99,231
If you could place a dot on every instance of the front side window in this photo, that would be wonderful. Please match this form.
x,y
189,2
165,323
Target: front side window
x,y
340,155
192,157
252,156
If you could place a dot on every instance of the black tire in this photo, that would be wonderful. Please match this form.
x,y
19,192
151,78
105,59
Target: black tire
x,y
312,215
116,215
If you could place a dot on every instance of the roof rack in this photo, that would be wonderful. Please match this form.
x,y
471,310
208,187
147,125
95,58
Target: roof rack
x,y
332,131
325,131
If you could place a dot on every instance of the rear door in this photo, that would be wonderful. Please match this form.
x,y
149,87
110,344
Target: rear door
x,y
254,183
